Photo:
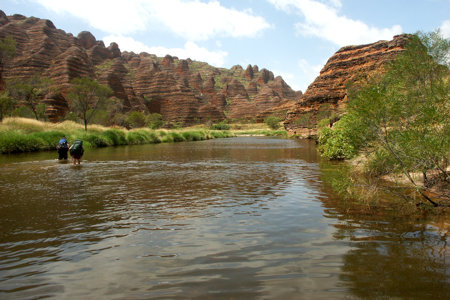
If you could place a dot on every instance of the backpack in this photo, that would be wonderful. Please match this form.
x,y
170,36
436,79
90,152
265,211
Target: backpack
x,y
77,148
62,144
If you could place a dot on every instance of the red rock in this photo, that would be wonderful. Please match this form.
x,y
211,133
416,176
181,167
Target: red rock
x,y
265,76
180,90
3,18
87,39
249,72
329,88
114,49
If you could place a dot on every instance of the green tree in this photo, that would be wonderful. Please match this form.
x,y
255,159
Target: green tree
x,y
30,92
402,117
6,104
154,121
86,97
136,119
273,122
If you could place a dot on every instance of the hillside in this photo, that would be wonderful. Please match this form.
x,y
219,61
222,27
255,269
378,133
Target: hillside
x,y
327,95
183,91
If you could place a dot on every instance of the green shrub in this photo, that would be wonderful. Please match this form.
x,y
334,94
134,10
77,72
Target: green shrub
x,y
305,120
117,137
49,139
167,138
220,126
334,144
136,137
177,137
13,142
136,119
96,140
154,121
273,122
193,135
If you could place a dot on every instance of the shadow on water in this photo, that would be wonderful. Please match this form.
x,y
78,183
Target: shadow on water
x,y
390,256
229,218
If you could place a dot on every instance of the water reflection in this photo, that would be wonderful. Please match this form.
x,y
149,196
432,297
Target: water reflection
x,y
231,218
391,257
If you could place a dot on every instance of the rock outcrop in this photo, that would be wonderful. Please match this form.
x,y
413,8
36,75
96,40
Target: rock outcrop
x,y
328,94
182,91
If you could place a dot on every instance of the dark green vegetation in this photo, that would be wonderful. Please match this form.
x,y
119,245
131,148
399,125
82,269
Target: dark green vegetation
x,y
273,122
86,97
220,126
27,135
398,124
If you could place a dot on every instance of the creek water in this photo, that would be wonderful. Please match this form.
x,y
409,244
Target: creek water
x,y
238,218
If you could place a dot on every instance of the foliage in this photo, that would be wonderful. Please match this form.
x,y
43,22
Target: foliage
x,y
23,112
273,122
136,119
30,92
87,96
305,120
12,142
154,121
27,135
324,112
6,104
220,126
117,137
403,117
344,140
7,48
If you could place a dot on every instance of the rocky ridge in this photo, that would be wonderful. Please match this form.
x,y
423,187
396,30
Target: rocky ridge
x,y
327,95
182,91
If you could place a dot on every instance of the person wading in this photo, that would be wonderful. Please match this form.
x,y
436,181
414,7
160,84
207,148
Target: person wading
x,y
62,148
76,151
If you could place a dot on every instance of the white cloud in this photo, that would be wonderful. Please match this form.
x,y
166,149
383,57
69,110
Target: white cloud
x,y
445,29
190,50
200,21
107,15
322,19
191,19
309,72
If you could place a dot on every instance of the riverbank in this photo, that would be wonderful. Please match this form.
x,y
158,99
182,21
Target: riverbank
x,y
392,193
19,135
27,135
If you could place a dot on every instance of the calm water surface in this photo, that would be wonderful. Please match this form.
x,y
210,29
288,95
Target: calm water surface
x,y
239,218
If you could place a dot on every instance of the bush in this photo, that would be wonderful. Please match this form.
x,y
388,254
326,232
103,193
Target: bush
x,y
136,137
117,137
49,139
177,137
220,126
194,135
136,119
334,144
154,121
273,122
96,140
23,112
13,142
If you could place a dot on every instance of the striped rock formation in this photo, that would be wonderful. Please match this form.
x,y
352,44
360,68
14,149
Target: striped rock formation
x,y
328,94
182,91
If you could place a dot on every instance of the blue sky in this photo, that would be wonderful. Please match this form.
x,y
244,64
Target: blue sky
x,y
292,38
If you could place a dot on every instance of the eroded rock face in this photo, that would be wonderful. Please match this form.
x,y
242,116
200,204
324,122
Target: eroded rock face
x,y
328,91
182,91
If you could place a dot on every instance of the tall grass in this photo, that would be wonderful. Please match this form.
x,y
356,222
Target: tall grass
x,y
27,135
